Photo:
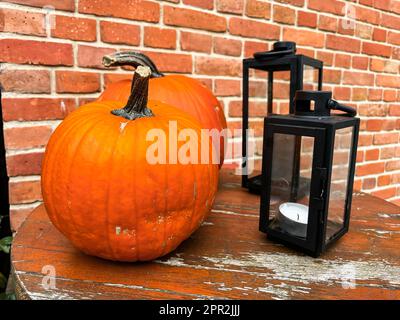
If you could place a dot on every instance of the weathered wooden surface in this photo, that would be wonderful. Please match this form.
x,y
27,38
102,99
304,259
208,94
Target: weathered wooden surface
x,y
227,258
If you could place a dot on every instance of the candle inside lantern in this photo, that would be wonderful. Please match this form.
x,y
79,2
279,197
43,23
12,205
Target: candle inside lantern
x,y
293,218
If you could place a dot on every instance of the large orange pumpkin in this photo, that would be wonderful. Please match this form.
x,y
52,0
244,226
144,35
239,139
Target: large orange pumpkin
x,y
180,91
106,198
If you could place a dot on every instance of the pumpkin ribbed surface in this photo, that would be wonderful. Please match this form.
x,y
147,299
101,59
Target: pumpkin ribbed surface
x,y
182,92
103,195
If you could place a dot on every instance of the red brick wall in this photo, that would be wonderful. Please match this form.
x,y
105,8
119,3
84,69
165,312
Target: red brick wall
x,y
48,69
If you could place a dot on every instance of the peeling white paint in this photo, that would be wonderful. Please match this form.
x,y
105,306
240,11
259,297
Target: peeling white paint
x,y
234,213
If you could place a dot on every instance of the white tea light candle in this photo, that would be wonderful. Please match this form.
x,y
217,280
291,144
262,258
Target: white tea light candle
x,y
293,218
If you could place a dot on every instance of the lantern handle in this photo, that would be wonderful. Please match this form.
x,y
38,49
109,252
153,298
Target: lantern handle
x,y
334,105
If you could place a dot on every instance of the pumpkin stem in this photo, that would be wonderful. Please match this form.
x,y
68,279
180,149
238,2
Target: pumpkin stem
x,y
131,58
136,107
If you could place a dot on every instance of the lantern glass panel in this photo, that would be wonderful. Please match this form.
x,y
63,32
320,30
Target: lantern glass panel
x,y
290,183
310,78
260,105
339,181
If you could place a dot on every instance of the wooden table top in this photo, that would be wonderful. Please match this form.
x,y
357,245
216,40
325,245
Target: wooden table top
x,y
227,258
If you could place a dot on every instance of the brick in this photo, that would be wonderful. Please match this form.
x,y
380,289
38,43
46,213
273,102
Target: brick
x,y
373,110
385,193
375,94
387,153
253,29
358,78
131,9
74,28
346,26
204,4
360,156
284,15
392,165
363,31
304,37
66,5
298,3
376,49
91,57
394,110
226,88
367,15
372,154
27,137
385,5
218,66
34,109
364,140
159,38
342,60
25,164
77,82
357,185
369,3
385,138
35,52
374,125
193,19
359,94
388,81
171,62
369,183
230,6
332,76
22,22
258,9
388,66
360,62
227,47
83,101
326,57
341,93
395,6
25,81
379,35
196,42
22,192
331,6
396,53
306,19
391,22
370,168
389,124
343,43
250,47
393,37
384,180
327,23
389,95
119,33
256,109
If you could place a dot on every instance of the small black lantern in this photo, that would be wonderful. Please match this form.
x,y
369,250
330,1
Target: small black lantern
x,y
283,57
308,204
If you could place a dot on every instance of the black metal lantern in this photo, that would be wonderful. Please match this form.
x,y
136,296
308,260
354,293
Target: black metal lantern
x,y
307,190
282,58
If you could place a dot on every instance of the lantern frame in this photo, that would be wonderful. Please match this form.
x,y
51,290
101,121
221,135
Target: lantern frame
x,y
322,129
283,57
